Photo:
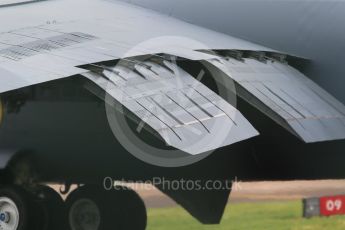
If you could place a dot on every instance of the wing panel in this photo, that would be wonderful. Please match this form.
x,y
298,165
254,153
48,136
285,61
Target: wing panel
x,y
81,39
186,114
303,107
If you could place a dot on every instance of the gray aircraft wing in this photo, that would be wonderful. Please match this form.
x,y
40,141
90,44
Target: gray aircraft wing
x,y
49,41
37,50
51,44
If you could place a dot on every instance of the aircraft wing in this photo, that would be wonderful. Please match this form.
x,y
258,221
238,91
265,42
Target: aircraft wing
x,y
58,43
53,44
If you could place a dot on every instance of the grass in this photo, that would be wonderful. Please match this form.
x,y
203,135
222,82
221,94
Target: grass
x,y
257,216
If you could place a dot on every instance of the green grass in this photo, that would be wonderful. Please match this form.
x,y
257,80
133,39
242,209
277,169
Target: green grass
x,y
257,216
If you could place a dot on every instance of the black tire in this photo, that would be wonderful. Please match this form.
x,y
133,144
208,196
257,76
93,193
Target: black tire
x,y
133,210
120,209
52,207
24,203
99,199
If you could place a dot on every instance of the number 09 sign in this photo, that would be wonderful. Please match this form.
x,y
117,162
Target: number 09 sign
x,y
330,206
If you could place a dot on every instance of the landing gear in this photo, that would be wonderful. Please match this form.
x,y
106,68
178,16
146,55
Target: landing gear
x,y
93,208
86,208
51,209
23,210
15,207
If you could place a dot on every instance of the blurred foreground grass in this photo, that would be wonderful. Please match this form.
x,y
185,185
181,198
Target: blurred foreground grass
x,y
257,216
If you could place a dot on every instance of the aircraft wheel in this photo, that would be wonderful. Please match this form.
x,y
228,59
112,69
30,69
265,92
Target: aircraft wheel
x,y
133,210
16,209
91,208
52,209
86,209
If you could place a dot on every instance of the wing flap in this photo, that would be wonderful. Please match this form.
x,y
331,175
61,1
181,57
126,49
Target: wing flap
x,y
184,112
288,97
